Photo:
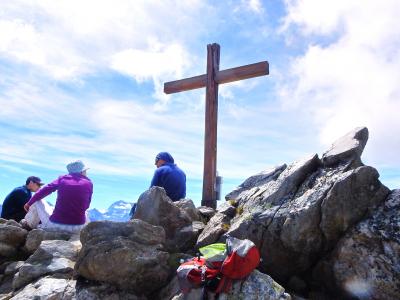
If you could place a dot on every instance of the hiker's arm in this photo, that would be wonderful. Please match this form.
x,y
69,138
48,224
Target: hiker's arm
x,y
156,179
90,196
43,192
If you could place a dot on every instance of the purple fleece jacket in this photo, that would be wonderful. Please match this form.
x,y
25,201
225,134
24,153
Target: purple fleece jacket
x,y
74,193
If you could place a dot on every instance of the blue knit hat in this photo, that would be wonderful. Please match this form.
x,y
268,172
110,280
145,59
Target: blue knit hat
x,y
165,156
76,167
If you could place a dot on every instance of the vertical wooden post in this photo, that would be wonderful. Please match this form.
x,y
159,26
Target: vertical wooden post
x,y
210,137
211,80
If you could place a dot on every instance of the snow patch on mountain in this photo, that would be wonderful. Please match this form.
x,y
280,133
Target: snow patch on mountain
x,y
118,211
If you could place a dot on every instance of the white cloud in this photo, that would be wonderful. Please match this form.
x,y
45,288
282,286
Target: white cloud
x,y
158,62
153,62
316,16
71,38
255,5
20,39
351,80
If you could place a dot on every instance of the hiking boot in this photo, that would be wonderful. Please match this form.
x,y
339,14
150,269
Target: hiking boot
x,y
24,224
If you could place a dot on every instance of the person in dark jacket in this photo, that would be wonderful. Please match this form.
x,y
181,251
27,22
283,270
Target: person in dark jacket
x,y
169,177
13,205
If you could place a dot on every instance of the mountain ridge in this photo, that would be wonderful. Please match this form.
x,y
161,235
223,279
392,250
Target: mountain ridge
x,y
118,212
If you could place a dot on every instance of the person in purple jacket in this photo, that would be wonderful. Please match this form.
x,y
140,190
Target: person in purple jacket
x,y
74,194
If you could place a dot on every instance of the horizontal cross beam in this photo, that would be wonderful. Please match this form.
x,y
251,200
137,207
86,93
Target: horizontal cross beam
x,y
225,76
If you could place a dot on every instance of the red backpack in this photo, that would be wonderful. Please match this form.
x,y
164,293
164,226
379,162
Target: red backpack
x,y
221,264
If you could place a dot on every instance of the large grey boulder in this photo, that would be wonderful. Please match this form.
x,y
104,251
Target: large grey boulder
x,y
187,236
7,271
347,148
170,290
36,236
206,213
10,222
48,288
156,208
215,228
257,286
54,257
100,291
355,194
128,255
366,262
13,267
262,215
217,225
12,237
189,208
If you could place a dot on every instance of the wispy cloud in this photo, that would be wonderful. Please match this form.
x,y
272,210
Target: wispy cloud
x,y
41,125
254,6
349,74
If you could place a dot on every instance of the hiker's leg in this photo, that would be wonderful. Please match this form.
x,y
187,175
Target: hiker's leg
x,y
63,227
32,217
44,211
87,220
38,213
17,216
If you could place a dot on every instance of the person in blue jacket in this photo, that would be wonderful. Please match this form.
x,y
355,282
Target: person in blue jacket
x,y
13,205
169,177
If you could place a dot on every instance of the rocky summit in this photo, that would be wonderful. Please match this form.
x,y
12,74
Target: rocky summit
x,y
326,228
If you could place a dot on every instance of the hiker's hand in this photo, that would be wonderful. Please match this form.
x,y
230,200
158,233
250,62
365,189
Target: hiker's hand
x,y
26,207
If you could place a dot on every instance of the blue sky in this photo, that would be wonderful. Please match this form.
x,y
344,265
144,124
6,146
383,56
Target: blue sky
x,y
83,80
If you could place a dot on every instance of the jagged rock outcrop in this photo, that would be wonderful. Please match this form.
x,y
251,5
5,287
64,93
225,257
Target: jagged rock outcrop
x,y
296,214
264,214
347,148
176,218
128,255
366,262
254,183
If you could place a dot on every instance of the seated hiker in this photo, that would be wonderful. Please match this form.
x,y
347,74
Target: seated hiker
x,y
74,193
13,205
169,177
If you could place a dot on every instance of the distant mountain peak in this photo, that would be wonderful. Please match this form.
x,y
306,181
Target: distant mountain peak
x,y
118,211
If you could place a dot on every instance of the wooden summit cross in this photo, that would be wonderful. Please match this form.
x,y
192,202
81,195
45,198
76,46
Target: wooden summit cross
x,y
210,80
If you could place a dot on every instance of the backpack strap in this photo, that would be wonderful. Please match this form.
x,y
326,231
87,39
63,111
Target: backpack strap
x,y
224,285
204,293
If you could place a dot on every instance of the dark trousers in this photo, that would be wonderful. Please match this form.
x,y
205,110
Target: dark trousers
x,y
16,216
